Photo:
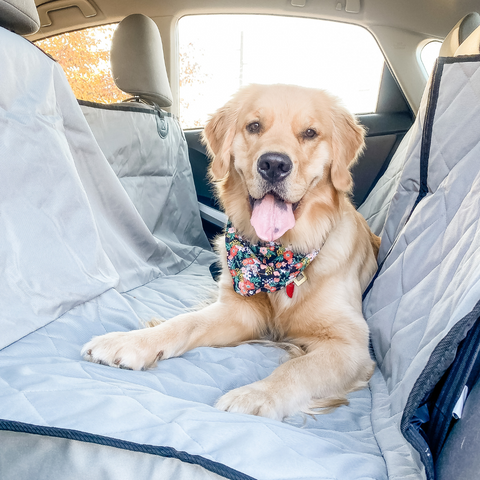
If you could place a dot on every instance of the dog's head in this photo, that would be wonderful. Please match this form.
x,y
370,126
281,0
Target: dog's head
x,y
281,156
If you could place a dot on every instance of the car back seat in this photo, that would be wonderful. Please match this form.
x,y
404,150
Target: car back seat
x,y
455,403
429,155
72,237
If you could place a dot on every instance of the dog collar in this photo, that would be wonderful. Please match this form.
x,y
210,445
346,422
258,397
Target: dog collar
x,y
266,267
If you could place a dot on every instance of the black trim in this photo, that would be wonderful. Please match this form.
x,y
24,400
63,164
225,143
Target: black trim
x,y
168,452
463,372
150,109
440,360
372,281
384,166
460,59
391,98
424,155
381,124
427,131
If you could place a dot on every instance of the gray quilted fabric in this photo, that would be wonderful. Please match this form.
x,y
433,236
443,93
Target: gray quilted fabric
x,y
376,206
431,278
172,405
112,272
149,154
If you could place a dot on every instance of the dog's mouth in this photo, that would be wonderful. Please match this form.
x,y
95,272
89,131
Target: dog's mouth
x,y
253,200
272,216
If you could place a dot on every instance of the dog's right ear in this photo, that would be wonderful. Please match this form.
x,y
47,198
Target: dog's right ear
x,y
218,136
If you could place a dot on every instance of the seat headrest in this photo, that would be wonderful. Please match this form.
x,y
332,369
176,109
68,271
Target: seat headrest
x,y
19,16
471,46
138,65
459,33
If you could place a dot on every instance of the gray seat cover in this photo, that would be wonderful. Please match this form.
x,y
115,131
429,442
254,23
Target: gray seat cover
x,y
430,279
376,206
147,150
80,261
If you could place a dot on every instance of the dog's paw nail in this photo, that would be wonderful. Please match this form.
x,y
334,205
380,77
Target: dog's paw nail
x,y
89,352
117,361
160,355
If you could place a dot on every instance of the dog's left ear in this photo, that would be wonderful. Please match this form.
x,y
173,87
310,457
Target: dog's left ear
x,y
347,144
218,136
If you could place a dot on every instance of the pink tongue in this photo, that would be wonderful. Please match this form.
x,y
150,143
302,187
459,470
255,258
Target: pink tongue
x,y
271,218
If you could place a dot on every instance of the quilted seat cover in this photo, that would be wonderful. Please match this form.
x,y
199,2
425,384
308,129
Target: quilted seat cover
x,y
82,222
426,295
114,272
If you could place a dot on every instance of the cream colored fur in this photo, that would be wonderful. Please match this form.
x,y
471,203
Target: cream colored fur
x,y
324,317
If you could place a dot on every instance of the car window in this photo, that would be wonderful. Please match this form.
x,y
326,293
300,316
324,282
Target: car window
x,y
220,53
429,55
85,57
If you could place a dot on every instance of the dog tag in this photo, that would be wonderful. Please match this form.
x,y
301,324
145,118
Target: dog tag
x,y
289,288
299,279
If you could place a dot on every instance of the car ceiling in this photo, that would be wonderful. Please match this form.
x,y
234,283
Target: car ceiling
x,y
430,18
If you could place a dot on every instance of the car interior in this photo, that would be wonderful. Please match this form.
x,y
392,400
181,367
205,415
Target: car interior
x,y
108,216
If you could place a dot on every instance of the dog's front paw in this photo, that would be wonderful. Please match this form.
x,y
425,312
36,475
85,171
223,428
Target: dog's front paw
x,y
130,350
256,399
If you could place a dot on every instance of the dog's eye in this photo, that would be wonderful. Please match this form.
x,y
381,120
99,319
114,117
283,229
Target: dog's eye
x,y
253,127
310,133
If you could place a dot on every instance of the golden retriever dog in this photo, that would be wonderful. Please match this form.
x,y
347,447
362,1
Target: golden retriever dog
x,y
280,161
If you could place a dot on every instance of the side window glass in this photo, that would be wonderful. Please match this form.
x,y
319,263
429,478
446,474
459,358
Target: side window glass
x,y
341,58
429,55
85,57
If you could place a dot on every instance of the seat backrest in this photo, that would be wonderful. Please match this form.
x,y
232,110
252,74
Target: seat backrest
x,y
145,145
427,295
376,206
455,404
471,45
459,33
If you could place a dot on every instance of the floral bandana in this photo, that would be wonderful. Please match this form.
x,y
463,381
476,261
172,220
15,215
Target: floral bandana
x,y
266,267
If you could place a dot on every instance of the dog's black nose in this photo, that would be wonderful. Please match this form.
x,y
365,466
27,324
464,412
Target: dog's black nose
x,y
274,167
